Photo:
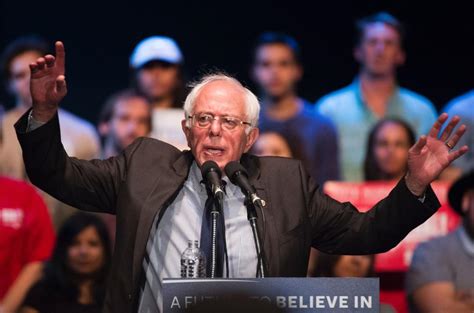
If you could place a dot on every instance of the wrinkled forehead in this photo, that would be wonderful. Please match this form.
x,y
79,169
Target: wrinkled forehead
x,y
221,98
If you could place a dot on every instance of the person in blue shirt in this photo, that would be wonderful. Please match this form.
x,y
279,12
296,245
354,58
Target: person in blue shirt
x,y
463,106
374,94
312,138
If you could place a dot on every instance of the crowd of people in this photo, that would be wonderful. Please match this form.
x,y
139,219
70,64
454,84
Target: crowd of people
x,y
362,132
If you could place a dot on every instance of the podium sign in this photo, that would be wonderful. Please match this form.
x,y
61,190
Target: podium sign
x,y
271,295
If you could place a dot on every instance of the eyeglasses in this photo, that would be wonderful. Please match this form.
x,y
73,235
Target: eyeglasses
x,y
204,120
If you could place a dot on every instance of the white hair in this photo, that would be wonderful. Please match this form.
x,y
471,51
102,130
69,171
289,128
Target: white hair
x,y
252,105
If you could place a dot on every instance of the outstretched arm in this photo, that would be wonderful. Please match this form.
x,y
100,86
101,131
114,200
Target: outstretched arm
x,y
339,228
86,185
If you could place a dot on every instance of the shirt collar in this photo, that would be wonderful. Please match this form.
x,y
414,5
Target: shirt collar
x,y
194,182
392,102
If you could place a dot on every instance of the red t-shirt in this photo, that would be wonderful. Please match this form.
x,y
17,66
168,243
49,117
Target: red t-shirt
x,y
26,231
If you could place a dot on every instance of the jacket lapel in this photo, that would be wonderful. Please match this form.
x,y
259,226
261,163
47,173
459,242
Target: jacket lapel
x,y
165,188
265,219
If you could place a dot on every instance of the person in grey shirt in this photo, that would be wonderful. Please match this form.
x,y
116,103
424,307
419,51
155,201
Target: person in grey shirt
x,y
441,275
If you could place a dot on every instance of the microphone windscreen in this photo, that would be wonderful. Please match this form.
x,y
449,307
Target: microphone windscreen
x,y
232,168
209,166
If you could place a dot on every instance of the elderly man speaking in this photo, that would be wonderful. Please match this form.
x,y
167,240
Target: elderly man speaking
x,y
156,191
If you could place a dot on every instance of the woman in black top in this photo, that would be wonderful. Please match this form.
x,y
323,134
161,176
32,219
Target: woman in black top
x,y
75,277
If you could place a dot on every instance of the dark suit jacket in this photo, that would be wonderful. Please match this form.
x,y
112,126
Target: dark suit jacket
x,y
145,179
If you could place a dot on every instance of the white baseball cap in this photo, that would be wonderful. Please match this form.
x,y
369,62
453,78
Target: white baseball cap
x,y
159,48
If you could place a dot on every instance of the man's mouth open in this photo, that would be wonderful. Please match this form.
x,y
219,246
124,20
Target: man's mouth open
x,y
213,151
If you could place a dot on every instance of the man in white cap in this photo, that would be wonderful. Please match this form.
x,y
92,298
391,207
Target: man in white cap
x,y
157,73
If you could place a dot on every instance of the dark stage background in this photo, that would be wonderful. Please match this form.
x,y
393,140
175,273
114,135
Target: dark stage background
x,y
99,37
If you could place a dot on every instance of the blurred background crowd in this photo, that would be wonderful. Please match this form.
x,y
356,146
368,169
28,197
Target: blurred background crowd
x,y
54,259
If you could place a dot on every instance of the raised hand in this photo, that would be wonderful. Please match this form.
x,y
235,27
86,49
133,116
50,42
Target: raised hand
x,y
432,154
48,83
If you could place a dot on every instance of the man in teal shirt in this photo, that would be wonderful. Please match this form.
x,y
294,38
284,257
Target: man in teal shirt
x,y
374,94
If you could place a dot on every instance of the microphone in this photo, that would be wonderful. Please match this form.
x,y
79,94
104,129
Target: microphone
x,y
239,176
212,177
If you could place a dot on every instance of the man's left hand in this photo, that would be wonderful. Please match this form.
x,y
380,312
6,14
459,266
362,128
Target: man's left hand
x,y
431,154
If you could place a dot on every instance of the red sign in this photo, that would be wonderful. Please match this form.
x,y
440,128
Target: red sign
x,y
366,195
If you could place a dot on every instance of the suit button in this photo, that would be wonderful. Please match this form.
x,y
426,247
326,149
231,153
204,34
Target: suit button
x,y
129,297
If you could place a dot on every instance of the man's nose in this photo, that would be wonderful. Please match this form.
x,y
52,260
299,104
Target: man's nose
x,y
216,128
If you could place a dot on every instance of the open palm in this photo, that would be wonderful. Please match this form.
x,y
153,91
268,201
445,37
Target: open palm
x,y
47,83
432,154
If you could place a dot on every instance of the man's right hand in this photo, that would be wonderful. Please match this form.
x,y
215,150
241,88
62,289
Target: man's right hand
x,y
48,84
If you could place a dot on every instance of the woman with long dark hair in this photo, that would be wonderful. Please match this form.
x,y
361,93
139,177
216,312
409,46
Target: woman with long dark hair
x,y
75,277
387,150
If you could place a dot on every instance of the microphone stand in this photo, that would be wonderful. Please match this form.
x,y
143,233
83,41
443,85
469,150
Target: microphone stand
x,y
252,217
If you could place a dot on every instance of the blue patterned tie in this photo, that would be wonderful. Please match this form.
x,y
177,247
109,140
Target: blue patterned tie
x,y
206,241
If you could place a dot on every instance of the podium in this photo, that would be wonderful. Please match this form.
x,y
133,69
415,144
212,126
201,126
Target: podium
x,y
271,295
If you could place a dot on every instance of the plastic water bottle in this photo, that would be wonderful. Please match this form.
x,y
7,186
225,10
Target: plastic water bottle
x,y
193,261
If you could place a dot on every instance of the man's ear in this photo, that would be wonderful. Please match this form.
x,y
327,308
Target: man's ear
x,y
251,138
186,131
